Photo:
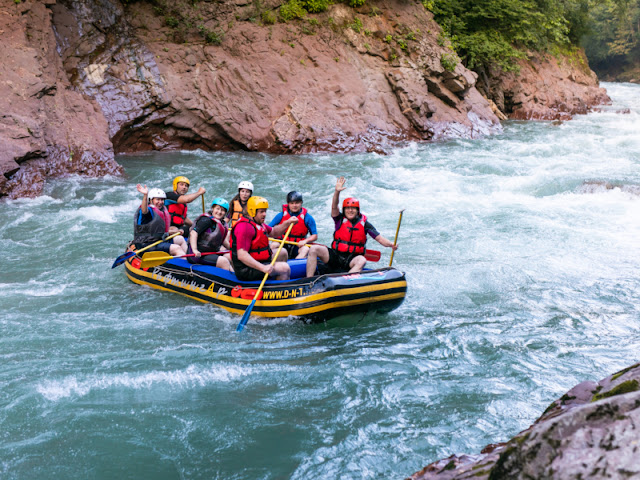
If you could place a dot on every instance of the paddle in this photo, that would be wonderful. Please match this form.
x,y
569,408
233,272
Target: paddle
x,y
202,197
153,259
370,255
126,256
396,239
247,312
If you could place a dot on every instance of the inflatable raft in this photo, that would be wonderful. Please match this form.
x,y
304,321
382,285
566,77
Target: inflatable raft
x,y
314,298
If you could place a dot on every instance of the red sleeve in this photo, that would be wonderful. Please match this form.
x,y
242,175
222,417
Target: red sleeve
x,y
267,228
243,232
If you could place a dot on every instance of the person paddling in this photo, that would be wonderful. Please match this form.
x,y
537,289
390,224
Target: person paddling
x,y
152,222
349,238
306,224
176,203
208,234
250,251
239,202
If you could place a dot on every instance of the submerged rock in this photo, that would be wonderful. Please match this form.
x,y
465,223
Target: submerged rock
x,y
593,431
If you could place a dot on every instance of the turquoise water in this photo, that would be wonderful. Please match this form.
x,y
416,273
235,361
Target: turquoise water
x,y
523,281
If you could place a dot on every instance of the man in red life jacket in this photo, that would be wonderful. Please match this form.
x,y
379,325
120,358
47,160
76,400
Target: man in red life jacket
x,y
176,203
151,223
349,239
250,251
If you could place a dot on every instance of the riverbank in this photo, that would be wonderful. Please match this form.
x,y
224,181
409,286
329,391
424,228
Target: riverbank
x,y
588,433
83,82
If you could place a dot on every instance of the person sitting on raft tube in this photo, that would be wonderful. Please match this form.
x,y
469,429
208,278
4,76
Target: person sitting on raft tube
x,y
306,224
176,203
152,222
239,203
349,239
208,234
250,250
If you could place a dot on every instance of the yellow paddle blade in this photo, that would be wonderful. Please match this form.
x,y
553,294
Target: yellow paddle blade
x,y
153,259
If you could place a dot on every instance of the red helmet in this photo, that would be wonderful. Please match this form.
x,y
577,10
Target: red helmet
x,y
351,202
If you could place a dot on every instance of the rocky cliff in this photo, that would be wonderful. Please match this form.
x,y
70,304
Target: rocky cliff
x,y
591,432
83,80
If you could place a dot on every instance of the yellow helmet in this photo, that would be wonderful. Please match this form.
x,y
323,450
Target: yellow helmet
x,y
178,180
255,203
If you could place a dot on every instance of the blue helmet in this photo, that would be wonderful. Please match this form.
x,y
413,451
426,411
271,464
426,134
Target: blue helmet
x,y
221,202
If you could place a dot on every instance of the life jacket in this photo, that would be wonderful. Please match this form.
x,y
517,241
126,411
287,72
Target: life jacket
x,y
259,248
210,241
299,230
147,233
178,212
349,238
236,212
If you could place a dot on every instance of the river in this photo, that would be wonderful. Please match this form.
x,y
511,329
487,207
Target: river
x,y
521,253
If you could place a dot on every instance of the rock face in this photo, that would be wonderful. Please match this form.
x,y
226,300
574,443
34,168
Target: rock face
x,y
47,128
591,432
547,88
83,80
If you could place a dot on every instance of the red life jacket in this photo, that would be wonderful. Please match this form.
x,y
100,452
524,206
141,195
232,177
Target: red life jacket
x,y
299,230
178,212
259,248
349,238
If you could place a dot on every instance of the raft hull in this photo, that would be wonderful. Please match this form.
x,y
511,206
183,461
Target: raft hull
x,y
316,298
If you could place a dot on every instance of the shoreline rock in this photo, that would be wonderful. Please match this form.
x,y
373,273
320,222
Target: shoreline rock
x,y
591,432
84,81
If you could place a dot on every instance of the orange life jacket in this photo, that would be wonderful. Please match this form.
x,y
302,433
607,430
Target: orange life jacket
x,y
299,230
236,212
350,238
259,248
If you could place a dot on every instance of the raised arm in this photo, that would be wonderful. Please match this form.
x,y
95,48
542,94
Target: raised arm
x,y
335,210
144,206
190,197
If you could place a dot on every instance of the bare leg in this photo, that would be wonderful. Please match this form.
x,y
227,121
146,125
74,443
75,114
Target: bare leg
x,y
315,252
180,242
223,263
175,250
283,270
357,264
303,252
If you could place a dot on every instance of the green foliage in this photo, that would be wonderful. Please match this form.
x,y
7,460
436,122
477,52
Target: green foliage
x,y
494,33
210,36
315,6
356,3
356,25
172,22
613,33
268,17
449,61
291,10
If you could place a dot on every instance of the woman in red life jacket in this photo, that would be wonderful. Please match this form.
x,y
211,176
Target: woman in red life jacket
x,y
176,203
151,223
306,225
238,207
349,238
250,251
208,234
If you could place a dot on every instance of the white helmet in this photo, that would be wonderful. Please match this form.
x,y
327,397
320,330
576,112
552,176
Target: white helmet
x,y
245,184
156,193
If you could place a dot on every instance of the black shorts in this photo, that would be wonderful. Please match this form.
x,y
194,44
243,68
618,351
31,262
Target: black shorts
x,y
247,274
338,261
161,247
